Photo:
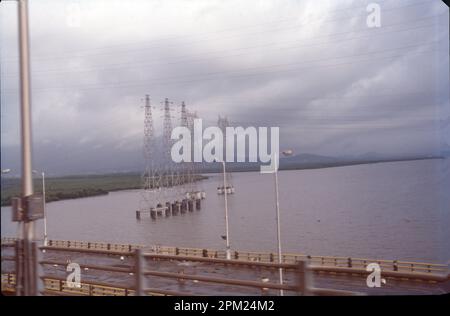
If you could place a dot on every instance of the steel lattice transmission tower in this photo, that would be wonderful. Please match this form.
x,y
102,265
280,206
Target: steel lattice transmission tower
x,y
191,172
148,179
184,117
148,134
167,165
162,179
183,166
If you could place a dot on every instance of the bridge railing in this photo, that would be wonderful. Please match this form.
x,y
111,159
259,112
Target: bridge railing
x,y
439,270
60,286
54,285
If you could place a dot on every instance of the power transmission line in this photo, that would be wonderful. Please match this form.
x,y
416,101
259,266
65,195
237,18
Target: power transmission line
x,y
55,57
235,74
128,65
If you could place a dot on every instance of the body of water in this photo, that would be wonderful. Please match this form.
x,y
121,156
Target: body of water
x,y
398,210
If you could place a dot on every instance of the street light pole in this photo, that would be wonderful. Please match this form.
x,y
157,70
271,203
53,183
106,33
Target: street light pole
x,y
45,211
225,194
277,206
27,182
288,152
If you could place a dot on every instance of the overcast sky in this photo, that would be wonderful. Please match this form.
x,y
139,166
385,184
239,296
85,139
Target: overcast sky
x,y
314,68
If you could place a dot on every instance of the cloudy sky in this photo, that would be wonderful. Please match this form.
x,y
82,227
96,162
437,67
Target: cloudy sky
x,y
314,68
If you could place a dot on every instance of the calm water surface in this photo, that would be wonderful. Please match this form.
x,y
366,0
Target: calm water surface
x,y
397,210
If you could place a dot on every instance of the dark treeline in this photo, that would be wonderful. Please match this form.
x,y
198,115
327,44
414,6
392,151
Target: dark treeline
x,y
73,187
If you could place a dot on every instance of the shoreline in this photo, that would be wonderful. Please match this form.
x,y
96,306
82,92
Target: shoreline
x,y
76,187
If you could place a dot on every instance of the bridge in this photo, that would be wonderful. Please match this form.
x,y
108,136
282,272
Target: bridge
x,y
128,269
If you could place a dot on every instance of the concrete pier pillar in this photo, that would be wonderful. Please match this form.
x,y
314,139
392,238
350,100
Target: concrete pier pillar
x,y
175,208
198,204
153,213
158,209
184,206
191,205
168,208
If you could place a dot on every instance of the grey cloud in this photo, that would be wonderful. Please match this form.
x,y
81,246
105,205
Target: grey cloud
x,y
262,63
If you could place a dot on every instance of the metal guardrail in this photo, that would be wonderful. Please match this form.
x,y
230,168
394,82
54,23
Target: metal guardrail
x,y
59,286
325,261
51,285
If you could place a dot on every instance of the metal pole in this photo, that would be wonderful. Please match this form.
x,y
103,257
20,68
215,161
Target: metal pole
x,y
45,212
19,267
305,282
25,98
37,257
277,203
139,272
228,251
27,182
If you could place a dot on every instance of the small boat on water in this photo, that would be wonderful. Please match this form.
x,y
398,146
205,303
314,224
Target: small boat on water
x,y
197,195
229,190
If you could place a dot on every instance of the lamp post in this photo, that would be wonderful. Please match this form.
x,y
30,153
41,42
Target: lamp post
x,y
225,194
288,152
43,201
27,277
